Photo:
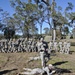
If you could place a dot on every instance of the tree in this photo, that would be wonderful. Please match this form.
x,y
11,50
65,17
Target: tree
x,y
8,32
48,11
46,30
40,14
60,19
25,16
8,25
1,9
5,17
65,30
28,14
1,24
51,11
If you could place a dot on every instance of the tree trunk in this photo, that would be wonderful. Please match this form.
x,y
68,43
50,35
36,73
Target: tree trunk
x,y
41,29
54,35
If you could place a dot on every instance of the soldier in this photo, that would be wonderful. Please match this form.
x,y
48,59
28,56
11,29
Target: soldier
x,y
42,46
55,46
50,46
49,70
39,44
65,45
67,48
29,45
61,47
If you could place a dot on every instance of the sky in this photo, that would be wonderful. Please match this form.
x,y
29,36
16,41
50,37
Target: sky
x,y
5,5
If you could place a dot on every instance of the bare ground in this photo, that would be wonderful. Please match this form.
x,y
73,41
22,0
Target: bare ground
x,y
13,63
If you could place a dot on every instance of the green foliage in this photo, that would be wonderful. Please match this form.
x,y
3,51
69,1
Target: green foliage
x,y
1,36
17,36
8,33
69,7
46,30
65,30
25,16
29,13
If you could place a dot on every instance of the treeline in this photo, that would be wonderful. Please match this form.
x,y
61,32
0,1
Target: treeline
x,y
31,13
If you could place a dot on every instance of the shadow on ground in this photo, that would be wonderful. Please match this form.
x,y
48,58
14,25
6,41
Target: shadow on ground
x,y
60,71
59,63
6,71
71,52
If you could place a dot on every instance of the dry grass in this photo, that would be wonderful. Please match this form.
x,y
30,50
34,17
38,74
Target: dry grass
x,y
13,63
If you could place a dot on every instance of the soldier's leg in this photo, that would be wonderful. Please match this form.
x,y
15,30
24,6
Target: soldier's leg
x,y
42,59
28,69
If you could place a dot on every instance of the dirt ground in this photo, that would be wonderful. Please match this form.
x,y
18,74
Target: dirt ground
x,y
13,63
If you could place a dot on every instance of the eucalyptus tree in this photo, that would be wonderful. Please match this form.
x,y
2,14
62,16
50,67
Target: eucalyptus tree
x,y
41,16
25,15
7,24
2,25
72,17
9,32
68,14
48,11
41,13
28,14
65,30
58,16
5,18
46,30
61,18
1,10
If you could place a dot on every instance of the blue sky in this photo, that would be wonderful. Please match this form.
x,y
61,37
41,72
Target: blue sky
x,y
5,5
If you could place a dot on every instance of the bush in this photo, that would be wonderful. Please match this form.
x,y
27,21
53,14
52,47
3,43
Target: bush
x,y
72,43
71,37
1,36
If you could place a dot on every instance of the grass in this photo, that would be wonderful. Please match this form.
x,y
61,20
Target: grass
x,y
64,61
10,61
